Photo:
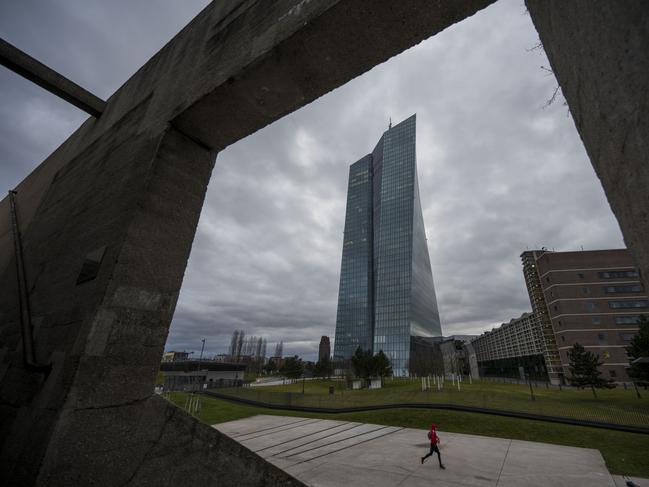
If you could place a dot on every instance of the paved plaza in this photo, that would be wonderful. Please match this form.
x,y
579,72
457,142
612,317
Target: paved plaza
x,y
323,452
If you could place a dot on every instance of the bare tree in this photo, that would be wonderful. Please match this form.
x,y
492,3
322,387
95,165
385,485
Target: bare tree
x,y
279,349
233,344
258,350
240,340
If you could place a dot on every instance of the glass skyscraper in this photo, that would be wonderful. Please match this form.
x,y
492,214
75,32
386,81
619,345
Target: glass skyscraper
x,y
386,299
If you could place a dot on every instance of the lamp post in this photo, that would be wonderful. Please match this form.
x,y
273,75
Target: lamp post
x,y
529,377
202,348
639,360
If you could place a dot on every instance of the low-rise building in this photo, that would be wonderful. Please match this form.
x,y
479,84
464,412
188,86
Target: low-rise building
x,y
513,349
194,375
173,356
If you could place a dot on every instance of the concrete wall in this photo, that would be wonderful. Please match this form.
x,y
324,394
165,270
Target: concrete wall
x,y
133,182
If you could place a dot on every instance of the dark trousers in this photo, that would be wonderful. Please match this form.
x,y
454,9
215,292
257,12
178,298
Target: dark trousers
x,y
434,449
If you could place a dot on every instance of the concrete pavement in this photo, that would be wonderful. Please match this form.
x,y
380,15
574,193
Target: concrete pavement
x,y
329,452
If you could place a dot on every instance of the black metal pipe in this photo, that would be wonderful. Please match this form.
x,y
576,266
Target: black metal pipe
x,y
29,357
26,66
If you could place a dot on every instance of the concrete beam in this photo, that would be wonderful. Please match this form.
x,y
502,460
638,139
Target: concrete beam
x,y
598,52
23,64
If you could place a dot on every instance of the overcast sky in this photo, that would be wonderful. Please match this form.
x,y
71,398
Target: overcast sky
x,y
498,172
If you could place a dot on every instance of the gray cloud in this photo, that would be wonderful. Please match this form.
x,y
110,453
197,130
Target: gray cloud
x,y
498,172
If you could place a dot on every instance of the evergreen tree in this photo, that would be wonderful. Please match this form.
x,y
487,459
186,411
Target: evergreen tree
x,y
584,369
323,368
639,348
362,363
366,365
293,367
382,366
270,367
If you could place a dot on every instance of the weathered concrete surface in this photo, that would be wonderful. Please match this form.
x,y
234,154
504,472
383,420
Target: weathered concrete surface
x,y
166,446
598,52
133,181
331,453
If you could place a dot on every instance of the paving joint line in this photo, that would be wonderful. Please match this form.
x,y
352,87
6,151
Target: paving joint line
x,y
310,434
344,448
302,420
334,442
504,460
278,427
318,439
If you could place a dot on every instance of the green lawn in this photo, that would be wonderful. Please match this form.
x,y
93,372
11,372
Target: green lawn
x,y
624,453
612,405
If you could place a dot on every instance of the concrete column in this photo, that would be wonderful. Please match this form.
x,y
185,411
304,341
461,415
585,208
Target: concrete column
x,y
598,52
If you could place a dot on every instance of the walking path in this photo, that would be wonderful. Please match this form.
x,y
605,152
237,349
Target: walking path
x,y
323,452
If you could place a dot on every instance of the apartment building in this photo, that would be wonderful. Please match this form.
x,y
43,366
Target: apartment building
x,y
593,297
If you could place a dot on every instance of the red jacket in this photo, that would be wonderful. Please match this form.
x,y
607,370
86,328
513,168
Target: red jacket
x,y
432,436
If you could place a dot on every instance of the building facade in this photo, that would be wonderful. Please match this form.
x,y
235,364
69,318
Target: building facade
x,y
173,356
324,350
594,298
194,375
455,355
515,349
386,294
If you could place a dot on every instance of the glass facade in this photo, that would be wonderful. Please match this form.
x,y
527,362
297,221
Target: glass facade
x,y
354,316
386,291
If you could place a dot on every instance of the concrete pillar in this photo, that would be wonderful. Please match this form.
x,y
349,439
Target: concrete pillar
x,y
598,52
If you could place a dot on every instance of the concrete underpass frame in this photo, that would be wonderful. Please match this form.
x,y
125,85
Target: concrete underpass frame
x,y
134,180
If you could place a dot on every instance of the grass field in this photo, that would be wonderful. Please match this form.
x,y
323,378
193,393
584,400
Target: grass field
x,y
612,405
624,453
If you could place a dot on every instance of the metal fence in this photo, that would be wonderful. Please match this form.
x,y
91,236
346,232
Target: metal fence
x,y
616,407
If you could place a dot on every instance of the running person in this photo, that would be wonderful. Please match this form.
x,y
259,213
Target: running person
x,y
434,441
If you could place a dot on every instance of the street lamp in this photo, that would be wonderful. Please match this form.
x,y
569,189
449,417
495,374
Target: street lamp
x,y
202,348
